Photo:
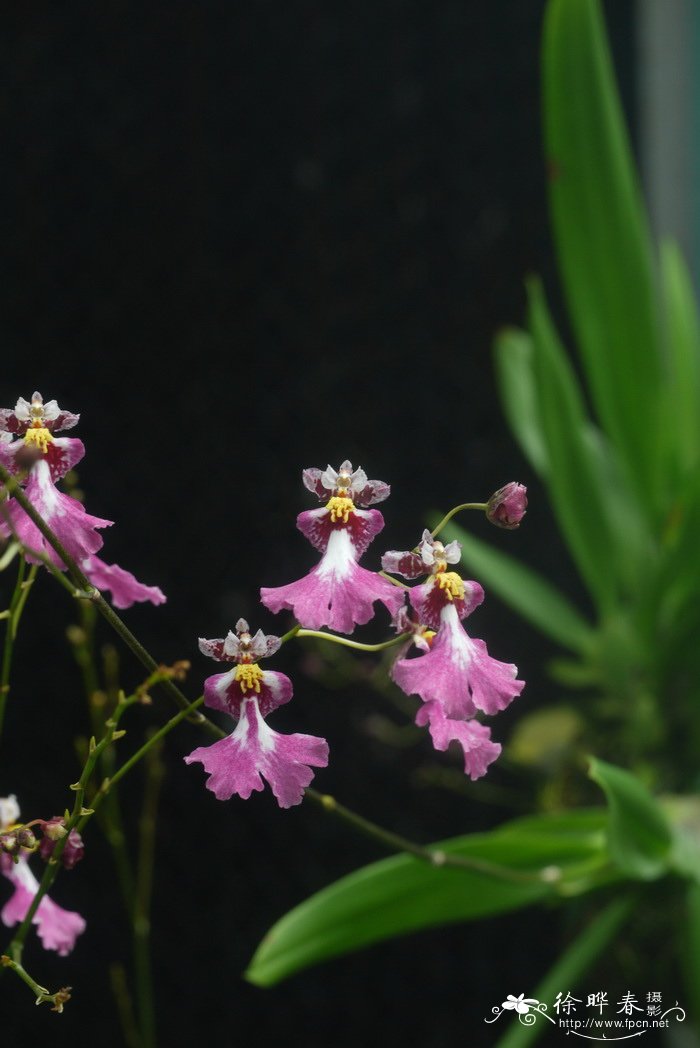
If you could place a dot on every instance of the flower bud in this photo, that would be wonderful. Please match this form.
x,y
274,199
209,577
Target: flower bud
x,y
506,507
9,842
26,838
73,850
54,829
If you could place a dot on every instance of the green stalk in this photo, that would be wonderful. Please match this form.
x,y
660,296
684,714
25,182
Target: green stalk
x,y
142,897
17,604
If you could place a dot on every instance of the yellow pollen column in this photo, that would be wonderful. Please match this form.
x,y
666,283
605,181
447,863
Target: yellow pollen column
x,y
450,582
340,508
38,436
249,676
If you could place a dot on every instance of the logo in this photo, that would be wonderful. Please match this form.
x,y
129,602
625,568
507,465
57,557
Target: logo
x,y
598,1019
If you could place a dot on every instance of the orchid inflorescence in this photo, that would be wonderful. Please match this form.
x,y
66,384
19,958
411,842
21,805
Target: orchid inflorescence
x,y
435,658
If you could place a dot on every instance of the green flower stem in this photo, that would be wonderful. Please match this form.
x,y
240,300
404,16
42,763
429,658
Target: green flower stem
x,y
68,586
88,590
483,506
110,819
78,815
393,581
17,602
136,757
142,897
352,643
433,856
122,998
42,995
290,633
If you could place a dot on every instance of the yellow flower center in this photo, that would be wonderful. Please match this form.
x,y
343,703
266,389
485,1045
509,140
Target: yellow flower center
x,y
249,676
428,635
340,509
450,582
38,436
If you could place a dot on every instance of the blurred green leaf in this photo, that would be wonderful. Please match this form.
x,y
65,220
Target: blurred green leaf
x,y
545,738
639,835
570,967
514,367
681,422
601,233
525,591
691,947
683,813
403,894
574,479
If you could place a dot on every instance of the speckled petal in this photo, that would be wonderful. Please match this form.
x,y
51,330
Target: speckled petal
x,y
458,673
124,587
362,526
337,593
473,737
75,528
222,691
57,928
254,751
429,601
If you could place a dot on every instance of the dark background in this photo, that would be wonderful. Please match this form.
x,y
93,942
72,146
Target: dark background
x,y
241,240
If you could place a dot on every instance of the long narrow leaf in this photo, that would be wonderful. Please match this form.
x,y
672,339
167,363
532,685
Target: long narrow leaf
x,y
575,482
682,327
525,591
601,232
514,357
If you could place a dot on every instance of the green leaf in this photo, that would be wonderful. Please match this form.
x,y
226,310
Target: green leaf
x,y
571,966
691,947
575,483
525,591
639,835
681,422
404,894
601,232
514,357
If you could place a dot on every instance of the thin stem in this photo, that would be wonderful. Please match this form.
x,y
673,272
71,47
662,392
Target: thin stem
x,y
433,856
57,999
352,643
122,997
136,757
17,603
76,817
483,506
290,633
142,897
392,580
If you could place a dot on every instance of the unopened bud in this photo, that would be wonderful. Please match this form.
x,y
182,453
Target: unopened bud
x,y
9,843
54,829
26,838
506,507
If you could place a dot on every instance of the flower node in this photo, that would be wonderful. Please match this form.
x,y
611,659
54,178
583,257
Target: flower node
x,y
451,584
249,676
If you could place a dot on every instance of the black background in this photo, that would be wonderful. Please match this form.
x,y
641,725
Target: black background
x,y
241,240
